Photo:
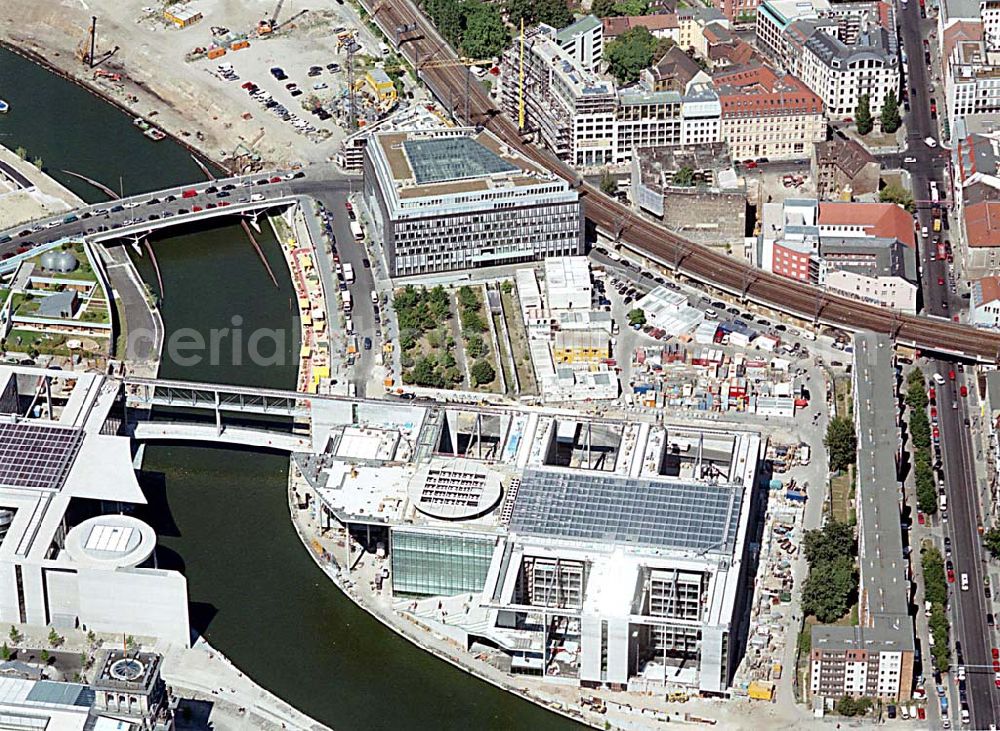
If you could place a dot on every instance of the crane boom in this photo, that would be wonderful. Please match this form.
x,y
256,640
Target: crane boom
x,y
277,10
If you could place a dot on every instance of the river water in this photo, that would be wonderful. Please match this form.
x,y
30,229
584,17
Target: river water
x,y
221,514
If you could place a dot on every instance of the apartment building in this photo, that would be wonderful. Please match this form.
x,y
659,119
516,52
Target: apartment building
x,y
972,71
874,659
984,304
977,193
442,200
841,51
864,251
766,115
583,41
583,118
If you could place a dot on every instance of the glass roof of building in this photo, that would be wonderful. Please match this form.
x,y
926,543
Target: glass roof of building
x,y
452,158
627,511
37,456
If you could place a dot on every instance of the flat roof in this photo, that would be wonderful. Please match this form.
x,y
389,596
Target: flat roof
x,y
638,512
111,541
37,456
444,159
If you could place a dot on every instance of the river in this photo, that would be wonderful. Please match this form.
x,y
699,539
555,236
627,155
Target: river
x,y
221,514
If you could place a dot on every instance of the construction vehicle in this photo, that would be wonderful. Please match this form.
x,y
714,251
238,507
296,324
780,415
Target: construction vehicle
x,y
269,25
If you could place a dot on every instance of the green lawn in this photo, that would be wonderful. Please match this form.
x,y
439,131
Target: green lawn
x,y
519,342
84,271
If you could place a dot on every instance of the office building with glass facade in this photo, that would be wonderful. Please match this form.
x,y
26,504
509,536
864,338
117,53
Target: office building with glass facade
x,y
442,200
439,563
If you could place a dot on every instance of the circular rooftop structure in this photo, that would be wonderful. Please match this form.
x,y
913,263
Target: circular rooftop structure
x,y
128,668
59,261
111,541
455,489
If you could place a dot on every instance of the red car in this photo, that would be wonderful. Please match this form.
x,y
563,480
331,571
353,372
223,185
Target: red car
x,y
921,713
246,85
951,576
195,209
996,654
964,391
189,193
275,179
951,375
996,666
920,518
940,281
933,412
936,433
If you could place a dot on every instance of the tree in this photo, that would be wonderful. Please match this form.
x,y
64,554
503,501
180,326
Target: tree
x,y
935,581
485,34
5,652
863,115
15,636
829,543
475,346
425,373
37,162
848,706
609,186
896,193
603,8
636,316
550,12
54,639
841,442
991,539
631,7
684,177
481,373
630,53
889,117
829,588
448,17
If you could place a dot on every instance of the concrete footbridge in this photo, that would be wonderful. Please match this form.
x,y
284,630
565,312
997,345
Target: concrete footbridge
x,y
135,217
149,431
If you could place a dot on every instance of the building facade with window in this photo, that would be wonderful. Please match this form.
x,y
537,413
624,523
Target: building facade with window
x,y
443,200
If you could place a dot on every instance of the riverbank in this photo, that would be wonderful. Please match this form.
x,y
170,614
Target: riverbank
x,y
323,551
27,193
149,69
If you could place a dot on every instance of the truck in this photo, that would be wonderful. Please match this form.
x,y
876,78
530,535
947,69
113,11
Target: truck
x,y
348,273
359,233
346,297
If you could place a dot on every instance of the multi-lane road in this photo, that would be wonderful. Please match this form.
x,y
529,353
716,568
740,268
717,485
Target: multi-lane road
x,y
968,608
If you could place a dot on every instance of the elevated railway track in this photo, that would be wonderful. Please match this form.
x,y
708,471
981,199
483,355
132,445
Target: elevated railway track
x,y
648,239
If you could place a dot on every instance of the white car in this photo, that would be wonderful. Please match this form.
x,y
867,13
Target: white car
x,y
319,86
930,141
909,160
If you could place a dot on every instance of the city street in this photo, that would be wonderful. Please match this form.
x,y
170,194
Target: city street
x,y
968,607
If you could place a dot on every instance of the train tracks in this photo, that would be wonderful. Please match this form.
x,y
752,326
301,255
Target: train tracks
x,y
648,239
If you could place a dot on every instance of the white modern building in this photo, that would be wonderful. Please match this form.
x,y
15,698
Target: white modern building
x,y
583,41
100,574
592,552
442,200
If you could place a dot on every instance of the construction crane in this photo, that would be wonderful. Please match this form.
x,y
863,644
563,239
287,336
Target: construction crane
x,y
269,25
86,52
467,63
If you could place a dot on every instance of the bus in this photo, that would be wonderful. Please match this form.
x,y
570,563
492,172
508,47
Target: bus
x,y
359,233
934,192
346,297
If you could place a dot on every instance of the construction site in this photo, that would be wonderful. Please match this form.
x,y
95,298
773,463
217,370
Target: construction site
x,y
252,84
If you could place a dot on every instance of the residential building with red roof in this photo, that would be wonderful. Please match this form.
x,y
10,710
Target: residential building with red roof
x,y
766,115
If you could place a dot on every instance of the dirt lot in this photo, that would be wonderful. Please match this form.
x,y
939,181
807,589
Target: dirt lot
x,y
189,98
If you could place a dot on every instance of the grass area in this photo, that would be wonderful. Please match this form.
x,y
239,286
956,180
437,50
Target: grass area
x,y
96,313
841,495
36,343
842,397
519,342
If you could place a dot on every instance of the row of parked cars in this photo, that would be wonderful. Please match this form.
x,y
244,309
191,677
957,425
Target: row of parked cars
x,y
277,108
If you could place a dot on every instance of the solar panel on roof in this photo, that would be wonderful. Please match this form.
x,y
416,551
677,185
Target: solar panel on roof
x,y
630,511
452,158
37,456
